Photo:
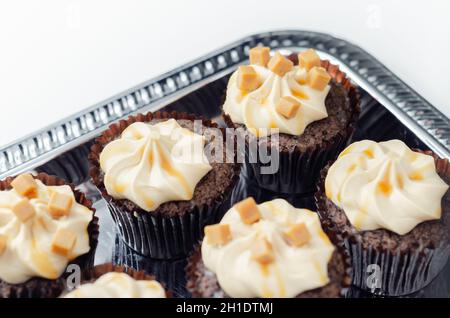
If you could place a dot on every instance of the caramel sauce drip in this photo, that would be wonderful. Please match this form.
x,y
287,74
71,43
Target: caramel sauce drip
x,y
384,186
165,164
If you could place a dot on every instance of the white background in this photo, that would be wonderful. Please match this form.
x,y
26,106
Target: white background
x,y
58,57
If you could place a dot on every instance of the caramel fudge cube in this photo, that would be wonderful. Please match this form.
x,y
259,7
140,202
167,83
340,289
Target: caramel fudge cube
x,y
63,242
247,79
218,234
259,55
318,78
262,252
248,211
308,59
287,106
297,235
23,210
3,241
279,64
25,185
59,204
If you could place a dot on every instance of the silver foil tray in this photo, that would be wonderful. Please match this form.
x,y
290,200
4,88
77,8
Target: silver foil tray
x,y
390,109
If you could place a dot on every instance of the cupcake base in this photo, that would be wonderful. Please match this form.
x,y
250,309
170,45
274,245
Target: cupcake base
x,y
402,264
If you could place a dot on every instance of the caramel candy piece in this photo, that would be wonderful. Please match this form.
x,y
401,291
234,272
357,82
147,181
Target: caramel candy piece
x,y
248,211
287,106
3,240
259,55
25,185
59,204
63,242
318,78
297,235
218,234
23,210
262,252
279,64
247,79
308,59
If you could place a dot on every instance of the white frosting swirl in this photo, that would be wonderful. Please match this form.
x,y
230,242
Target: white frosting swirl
x,y
385,185
256,109
154,163
28,251
294,270
118,285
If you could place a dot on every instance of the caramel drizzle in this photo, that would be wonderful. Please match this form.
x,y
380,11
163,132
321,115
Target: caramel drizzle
x,y
42,261
369,153
322,275
359,217
266,292
165,165
384,186
280,283
416,176
299,94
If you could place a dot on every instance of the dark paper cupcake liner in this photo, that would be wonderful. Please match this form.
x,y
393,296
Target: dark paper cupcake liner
x,y
163,237
438,288
299,170
168,272
401,272
47,288
92,274
246,187
153,234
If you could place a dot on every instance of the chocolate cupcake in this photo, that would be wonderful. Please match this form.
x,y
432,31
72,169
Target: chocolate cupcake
x,y
391,205
45,225
109,281
267,250
164,177
294,113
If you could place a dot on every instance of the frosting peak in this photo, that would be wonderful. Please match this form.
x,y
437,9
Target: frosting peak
x,y
257,108
397,188
154,163
290,269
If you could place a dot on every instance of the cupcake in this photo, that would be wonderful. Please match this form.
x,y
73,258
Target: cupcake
x,y
391,206
294,113
164,177
266,250
109,281
45,225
